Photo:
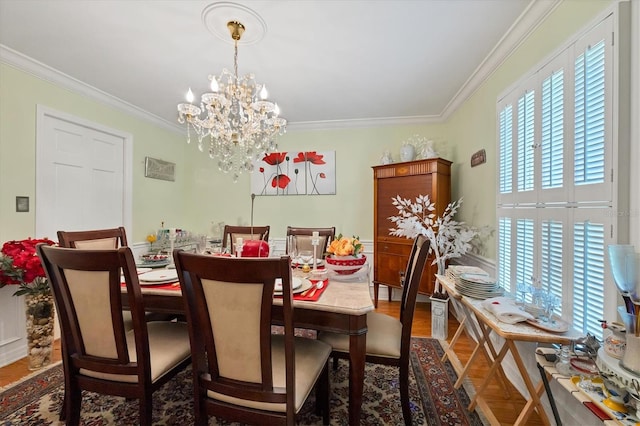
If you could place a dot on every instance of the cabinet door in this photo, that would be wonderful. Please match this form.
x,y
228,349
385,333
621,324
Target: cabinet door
x,y
403,186
392,255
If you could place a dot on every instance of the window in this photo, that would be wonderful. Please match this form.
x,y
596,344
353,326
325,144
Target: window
x,y
555,199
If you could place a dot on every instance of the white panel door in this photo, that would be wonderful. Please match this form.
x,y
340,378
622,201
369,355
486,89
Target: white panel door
x,y
80,178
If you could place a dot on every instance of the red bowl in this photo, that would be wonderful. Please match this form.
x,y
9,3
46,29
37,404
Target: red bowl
x,y
345,265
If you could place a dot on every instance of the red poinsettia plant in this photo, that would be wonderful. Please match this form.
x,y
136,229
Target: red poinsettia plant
x,y
20,265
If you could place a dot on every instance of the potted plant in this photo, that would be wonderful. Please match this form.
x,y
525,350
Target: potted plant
x,y
21,266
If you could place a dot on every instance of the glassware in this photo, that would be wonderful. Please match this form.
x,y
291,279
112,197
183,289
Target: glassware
x,y
291,247
522,289
549,303
306,256
622,259
563,365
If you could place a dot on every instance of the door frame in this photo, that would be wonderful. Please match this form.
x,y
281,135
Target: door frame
x,y
127,168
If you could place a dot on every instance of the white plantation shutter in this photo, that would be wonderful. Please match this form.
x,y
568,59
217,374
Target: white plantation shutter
x,y
588,276
555,204
524,250
504,254
552,131
551,256
505,130
589,161
525,141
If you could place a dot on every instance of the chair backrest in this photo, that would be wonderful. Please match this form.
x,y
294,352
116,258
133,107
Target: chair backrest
x,y
303,238
97,239
235,361
413,275
231,233
86,286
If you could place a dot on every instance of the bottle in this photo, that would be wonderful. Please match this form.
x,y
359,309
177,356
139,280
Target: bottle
x,y
563,365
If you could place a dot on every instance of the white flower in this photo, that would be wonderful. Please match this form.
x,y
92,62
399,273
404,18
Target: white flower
x,y
448,238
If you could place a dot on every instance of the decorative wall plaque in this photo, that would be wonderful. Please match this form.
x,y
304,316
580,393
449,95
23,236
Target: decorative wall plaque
x,y
478,158
159,169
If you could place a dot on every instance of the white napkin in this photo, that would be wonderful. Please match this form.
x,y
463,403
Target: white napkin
x,y
506,310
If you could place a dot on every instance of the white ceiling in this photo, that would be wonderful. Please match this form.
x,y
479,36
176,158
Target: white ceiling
x,y
333,62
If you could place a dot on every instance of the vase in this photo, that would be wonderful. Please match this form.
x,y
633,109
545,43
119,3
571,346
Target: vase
x,y
407,152
40,322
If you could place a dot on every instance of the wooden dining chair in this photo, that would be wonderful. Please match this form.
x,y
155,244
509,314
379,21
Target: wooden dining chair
x,y
303,238
231,233
96,239
104,239
99,354
241,371
389,338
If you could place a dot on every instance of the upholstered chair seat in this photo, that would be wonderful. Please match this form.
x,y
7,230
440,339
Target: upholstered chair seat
x,y
383,337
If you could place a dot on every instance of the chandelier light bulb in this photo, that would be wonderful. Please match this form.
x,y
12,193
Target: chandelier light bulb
x,y
214,85
264,93
190,97
276,109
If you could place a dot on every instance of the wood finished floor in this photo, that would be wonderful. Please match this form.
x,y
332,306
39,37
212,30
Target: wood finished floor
x,y
505,409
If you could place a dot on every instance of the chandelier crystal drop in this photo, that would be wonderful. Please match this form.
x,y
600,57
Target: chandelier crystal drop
x,y
236,117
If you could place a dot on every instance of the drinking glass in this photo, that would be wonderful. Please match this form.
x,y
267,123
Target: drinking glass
x,y
306,256
522,289
291,247
549,303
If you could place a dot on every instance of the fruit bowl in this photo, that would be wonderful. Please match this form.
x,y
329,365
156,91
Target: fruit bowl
x,y
345,265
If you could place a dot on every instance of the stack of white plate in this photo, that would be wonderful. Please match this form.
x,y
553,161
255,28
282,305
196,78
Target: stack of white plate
x,y
454,271
479,286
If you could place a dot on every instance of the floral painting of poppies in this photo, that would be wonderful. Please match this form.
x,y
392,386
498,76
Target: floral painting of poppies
x,y
295,173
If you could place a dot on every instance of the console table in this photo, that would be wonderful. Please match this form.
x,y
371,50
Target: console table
x,y
479,324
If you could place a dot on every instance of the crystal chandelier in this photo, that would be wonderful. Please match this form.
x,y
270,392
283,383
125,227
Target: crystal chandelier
x,y
239,121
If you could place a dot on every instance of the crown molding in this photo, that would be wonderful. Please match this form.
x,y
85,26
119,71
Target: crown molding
x,y
44,72
527,23
362,123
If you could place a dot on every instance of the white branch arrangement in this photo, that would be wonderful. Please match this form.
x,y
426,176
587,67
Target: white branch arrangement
x,y
448,238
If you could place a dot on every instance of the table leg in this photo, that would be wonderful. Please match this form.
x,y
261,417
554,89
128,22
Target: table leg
x,y
357,356
534,392
491,356
545,380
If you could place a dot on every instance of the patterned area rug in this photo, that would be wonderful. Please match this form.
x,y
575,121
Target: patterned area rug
x,y
434,401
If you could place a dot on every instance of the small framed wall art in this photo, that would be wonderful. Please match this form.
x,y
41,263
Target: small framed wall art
x,y
159,169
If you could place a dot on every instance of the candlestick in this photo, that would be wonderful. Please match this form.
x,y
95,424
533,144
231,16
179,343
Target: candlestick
x,y
239,243
315,240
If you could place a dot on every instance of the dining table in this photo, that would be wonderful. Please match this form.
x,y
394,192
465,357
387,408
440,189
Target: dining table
x,y
341,306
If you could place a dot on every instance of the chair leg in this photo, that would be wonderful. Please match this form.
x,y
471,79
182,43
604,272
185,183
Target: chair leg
x,y
200,411
73,403
324,380
335,363
404,392
145,409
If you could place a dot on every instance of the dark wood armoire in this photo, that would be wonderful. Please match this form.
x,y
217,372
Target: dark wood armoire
x,y
408,180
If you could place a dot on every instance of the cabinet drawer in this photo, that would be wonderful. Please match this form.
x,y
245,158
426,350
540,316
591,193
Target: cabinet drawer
x,y
389,267
387,247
